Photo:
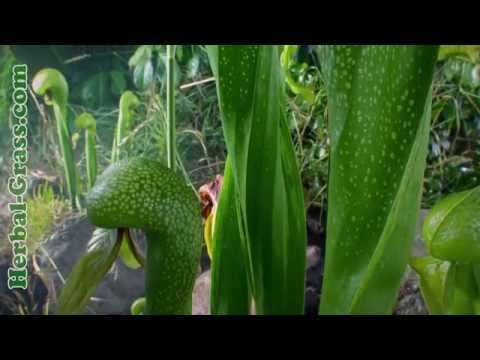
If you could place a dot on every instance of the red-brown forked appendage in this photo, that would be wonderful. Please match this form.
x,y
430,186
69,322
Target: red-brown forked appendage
x,y
209,195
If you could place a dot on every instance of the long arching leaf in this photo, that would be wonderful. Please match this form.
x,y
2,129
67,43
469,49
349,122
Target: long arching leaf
x,y
267,185
379,116
230,291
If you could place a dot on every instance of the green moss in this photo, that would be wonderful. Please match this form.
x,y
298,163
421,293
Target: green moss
x,y
43,211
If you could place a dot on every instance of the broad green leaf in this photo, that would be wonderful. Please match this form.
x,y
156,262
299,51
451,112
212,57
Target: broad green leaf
x,y
433,274
119,81
162,68
95,91
88,272
476,274
268,189
465,294
143,74
451,229
179,52
141,56
193,65
379,100
469,52
229,292
448,288
162,63
42,56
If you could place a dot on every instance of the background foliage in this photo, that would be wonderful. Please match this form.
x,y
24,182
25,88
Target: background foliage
x,y
98,75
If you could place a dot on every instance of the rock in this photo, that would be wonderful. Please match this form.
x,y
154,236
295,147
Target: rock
x,y
32,301
410,300
314,279
315,260
314,256
201,295
204,259
316,220
312,301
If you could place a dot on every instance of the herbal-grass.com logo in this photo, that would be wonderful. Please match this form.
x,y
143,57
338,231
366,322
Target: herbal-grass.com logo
x,y
17,182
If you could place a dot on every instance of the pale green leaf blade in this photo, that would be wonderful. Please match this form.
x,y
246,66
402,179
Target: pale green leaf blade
x,y
88,272
468,52
465,294
229,292
432,273
127,255
379,103
250,86
452,227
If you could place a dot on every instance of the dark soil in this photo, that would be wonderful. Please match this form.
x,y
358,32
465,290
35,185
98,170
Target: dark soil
x,y
32,301
316,226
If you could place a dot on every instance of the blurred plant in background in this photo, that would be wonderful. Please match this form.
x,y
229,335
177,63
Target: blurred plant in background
x,y
98,75
454,150
201,149
6,62
308,119
453,162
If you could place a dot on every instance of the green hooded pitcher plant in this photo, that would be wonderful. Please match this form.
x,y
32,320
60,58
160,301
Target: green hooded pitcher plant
x,y
128,103
144,194
450,275
87,122
51,84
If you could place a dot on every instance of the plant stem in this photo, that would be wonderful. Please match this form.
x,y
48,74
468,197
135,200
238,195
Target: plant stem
x,y
171,145
91,155
67,153
196,83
